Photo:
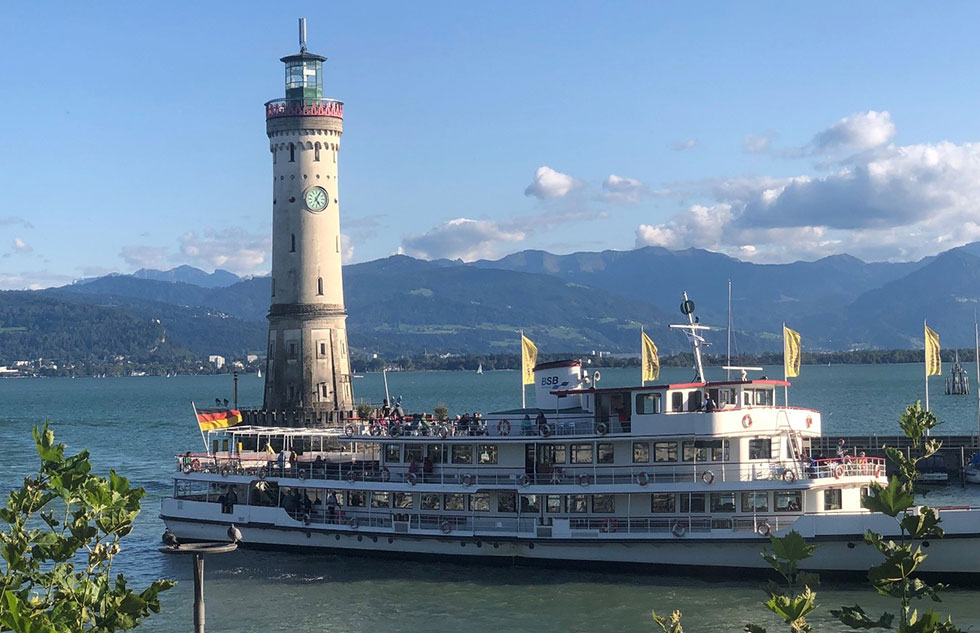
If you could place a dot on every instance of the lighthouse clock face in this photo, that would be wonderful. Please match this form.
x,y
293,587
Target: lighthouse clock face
x,y
316,199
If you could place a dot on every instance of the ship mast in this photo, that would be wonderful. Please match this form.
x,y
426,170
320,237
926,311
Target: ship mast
x,y
691,330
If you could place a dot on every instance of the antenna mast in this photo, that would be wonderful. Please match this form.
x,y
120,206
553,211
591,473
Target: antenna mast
x,y
691,329
302,35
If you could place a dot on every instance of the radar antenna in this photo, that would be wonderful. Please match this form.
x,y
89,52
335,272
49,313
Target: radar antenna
x,y
691,329
302,35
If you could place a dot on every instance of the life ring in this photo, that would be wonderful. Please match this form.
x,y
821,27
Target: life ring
x,y
809,421
261,474
196,465
466,480
839,471
375,430
609,526
544,430
225,471
395,430
353,523
349,430
503,427
746,421
301,473
351,476
385,474
880,471
789,476
602,428
764,529
187,469
443,431
524,481
446,527
306,518
678,530
708,477
643,479
584,480
412,478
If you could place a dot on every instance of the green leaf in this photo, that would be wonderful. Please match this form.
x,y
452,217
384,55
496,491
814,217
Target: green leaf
x,y
892,499
856,618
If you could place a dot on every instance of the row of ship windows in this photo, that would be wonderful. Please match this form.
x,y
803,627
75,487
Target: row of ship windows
x,y
651,403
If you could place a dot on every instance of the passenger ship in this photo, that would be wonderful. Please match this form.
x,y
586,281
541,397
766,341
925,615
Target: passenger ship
x,y
626,476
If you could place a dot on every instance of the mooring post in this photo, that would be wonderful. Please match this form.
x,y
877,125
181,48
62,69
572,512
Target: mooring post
x,y
962,466
235,393
198,593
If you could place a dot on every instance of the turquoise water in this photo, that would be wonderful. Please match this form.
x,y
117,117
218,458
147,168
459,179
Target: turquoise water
x,y
136,425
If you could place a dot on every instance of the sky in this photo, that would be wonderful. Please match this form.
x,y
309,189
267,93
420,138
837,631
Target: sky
x,y
769,131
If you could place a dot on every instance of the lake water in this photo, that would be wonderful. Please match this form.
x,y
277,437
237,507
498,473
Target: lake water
x,y
136,425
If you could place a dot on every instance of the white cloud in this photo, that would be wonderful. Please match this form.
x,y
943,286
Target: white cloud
x,y
461,238
620,189
32,280
680,146
21,246
860,131
346,249
757,143
699,226
232,249
548,184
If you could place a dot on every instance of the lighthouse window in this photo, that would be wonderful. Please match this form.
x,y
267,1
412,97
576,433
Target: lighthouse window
x,y
832,499
603,503
462,454
453,502
506,501
292,153
641,452
755,502
647,403
316,152
292,350
661,503
292,243
665,451
319,285
480,502
273,286
581,453
760,448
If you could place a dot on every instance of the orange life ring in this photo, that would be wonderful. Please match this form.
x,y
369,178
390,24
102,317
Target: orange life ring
x,y
708,477
764,529
503,427
746,421
349,430
196,465
678,530
609,526
839,471
880,471
789,476
809,421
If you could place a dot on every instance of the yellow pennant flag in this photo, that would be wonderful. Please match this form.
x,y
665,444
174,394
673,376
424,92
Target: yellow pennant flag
x,y
934,365
649,359
529,357
791,352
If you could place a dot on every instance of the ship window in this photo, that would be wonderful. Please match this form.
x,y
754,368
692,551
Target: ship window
x,y
379,499
677,401
453,502
403,500
604,503
480,502
578,504
553,503
488,454
662,502
413,452
605,454
581,453
553,454
760,448
435,453
832,499
393,453
726,396
720,453
641,452
788,501
506,501
694,401
755,502
431,502
693,503
692,452
529,503
647,403
355,499
722,501
463,454
665,451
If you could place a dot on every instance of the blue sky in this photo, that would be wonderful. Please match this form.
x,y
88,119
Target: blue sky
x,y
769,131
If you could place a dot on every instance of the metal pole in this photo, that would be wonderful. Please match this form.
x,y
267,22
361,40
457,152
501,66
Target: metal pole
x,y
925,359
962,466
728,372
198,593
235,392
523,386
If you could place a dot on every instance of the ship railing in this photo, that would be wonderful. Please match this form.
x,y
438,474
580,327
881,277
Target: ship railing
x,y
413,427
678,525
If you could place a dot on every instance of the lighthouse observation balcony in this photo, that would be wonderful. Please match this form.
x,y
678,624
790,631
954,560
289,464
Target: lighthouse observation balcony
x,y
278,108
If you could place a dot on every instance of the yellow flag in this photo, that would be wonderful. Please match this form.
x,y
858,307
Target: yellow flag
x,y
791,352
529,357
934,365
649,359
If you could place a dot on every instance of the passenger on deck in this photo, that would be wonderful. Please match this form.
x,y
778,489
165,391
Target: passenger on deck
x,y
841,449
318,464
293,461
526,427
541,422
281,460
709,404
331,506
413,468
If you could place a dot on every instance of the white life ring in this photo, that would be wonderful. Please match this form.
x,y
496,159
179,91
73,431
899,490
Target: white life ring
x,y
351,476
306,518
466,480
839,471
412,478
789,476
349,430
764,529
503,427
678,530
584,480
187,469
301,474
643,479
353,523
524,480
746,421
385,474
602,428
196,465
708,477
544,430
446,527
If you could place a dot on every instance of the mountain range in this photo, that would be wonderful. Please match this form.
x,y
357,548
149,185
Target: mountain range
x,y
566,303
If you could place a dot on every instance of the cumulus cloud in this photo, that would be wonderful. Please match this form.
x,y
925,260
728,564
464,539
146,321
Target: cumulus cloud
x,y
232,249
883,202
619,189
21,246
757,143
549,184
680,146
461,238
860,131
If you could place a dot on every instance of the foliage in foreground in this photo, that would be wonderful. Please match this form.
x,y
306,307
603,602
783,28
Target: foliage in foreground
x,y
895,577
61,534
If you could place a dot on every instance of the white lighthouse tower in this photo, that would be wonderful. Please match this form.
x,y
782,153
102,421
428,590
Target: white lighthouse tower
x,y
307,381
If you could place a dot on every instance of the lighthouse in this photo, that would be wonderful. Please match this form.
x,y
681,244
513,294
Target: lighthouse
x,y
308,378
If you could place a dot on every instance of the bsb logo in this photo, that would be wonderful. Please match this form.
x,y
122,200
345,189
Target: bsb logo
x,y
553,381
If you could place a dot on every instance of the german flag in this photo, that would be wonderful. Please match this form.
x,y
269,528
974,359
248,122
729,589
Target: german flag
x,y
214,419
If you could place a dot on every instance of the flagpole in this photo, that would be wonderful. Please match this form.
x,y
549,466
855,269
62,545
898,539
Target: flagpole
x,y
785,378
194,406
523,370
976,356
925,358
643,369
